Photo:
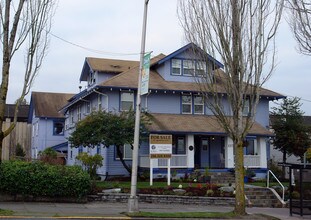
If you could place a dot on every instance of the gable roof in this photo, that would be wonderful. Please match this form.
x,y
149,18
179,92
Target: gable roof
x,y
48,104
194,47
106,65
200,124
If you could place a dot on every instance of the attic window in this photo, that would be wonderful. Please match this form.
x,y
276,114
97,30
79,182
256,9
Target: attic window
x,y
200,68
176,67
188,67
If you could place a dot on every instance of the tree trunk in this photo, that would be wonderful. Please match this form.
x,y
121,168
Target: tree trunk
x,y
120,155
239,179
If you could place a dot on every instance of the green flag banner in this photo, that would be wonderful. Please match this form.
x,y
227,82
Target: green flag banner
x,y
145,75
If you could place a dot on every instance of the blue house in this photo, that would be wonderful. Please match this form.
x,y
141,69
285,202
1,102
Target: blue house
x,y
47,123
177,107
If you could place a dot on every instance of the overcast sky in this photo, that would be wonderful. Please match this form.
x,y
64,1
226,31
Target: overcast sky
x,y
113,28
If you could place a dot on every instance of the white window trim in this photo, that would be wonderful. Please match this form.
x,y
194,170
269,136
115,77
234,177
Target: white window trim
x,y
200,104
193,63
124,156
182,104
79,114
199,67
99,102
180,67
130,92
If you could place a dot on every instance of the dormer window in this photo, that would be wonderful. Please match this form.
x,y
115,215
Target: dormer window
x,y
184,67
176,67
200,68
188,67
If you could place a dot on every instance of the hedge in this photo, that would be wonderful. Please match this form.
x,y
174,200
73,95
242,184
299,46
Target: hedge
x,y
40,179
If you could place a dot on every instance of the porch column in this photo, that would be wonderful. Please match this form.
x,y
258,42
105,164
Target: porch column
x,y
190,153
262,152
229,157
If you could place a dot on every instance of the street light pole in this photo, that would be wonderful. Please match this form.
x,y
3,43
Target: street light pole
x,y
133,200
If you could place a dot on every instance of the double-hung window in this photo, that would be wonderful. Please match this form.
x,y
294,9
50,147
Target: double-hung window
x,y
200,68
176,67
246,107
198,102
188,67
126,150
99,102
79,114
127,101
186,104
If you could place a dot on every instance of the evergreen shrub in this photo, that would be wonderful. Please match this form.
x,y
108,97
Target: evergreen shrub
x,y
40,179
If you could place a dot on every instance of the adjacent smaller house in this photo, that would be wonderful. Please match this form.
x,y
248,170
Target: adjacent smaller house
x,y
46,122
20,134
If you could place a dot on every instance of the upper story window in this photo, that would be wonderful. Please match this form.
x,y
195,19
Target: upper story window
x,y
99,98
91,78
79,114
58,128
246,107
186,104
200,68
192,104
188,67
127,101
198,103
176,67
71,117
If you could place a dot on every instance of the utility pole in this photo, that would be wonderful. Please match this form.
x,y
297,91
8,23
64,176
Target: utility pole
x,y
133,200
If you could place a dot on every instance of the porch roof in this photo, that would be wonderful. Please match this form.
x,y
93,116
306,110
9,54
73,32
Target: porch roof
x,y
195,124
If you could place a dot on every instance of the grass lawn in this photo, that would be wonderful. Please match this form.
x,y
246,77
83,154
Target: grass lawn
x,y
5,212
213,215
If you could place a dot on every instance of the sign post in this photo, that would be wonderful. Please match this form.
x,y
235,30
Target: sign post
x,y
160,148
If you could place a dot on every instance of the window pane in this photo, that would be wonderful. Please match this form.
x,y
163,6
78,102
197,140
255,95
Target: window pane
x,y
198,109
127,151
181,149
186,108
200,68
186,99
246,107
198,100
127,101
176,67
58,128
188,66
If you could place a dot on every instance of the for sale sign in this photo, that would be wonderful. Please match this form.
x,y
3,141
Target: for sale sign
x,y
160,146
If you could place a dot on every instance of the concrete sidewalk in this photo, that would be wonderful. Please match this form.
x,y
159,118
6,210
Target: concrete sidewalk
x,y
101,210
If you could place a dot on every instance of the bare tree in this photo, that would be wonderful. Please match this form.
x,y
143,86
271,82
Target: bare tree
x,y
242,33
300,24
25,26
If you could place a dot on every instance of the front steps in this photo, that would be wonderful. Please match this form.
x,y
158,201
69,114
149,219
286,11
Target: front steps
x,y
222,178
262,197
255,196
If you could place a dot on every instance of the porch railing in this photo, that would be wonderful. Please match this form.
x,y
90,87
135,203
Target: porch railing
x,y
177,161
252,161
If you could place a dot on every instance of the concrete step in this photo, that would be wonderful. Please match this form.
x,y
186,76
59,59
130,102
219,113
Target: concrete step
x,y
262,197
